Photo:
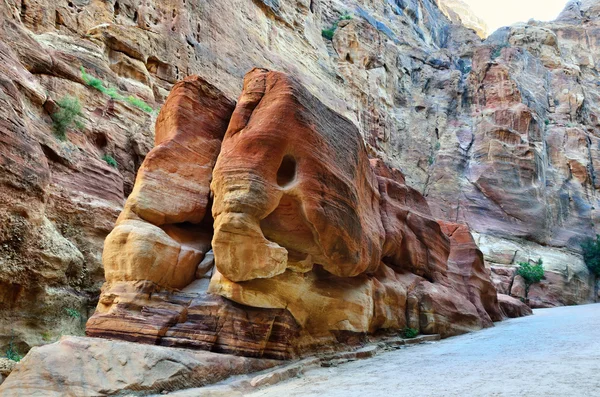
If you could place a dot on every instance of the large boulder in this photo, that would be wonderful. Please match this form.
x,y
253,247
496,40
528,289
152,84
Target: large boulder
x,y
77,366
313,243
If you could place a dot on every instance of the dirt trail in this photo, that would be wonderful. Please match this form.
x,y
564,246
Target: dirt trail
x,y
556,352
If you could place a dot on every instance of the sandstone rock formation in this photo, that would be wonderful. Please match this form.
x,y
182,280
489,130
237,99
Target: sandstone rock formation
x,y
314,242
497,134
70,368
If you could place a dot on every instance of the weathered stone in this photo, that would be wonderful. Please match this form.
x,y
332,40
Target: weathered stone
x,y
293,179
512,307
91,367
292,186
498,135
155,238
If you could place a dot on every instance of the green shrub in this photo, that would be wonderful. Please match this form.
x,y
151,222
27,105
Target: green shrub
x,y
498,50
591,254
113,92
12,353
532,274
328,33
110,160
547,122
67,116
139,103
409,333
73,313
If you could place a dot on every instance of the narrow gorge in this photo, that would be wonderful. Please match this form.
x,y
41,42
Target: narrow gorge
x,y
270,179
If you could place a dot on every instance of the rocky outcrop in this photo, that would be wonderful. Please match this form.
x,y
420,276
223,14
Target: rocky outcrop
x,y
71,367
460,13
313,242
512,307
498,134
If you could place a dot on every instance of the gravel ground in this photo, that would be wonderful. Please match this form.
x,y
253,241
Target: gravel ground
x,y
555,352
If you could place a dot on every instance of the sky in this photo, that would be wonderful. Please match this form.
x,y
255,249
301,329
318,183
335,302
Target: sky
x,y
506,12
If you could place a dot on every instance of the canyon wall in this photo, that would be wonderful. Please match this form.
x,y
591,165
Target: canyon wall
x,y
500,135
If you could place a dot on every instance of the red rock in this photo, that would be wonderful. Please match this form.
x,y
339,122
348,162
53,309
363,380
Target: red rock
x,y
512,307
315,183
313,242
155,238
468,274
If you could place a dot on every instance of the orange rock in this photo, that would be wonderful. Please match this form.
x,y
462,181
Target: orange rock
x,y
292,187
468,274
314,244
155,238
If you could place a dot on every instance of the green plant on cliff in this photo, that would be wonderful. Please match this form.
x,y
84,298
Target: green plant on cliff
x,y
328,33
112,92
139,103
12,353
409,333
73,313
531,273
110,160
591,254
68,115
498,50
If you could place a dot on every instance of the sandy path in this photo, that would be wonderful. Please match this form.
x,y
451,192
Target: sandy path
x,y
556,352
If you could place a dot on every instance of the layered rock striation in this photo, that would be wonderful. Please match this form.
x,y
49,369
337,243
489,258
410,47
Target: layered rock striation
x,y
497,134
313,243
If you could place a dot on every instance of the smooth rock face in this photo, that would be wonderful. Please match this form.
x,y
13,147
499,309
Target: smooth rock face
x,y
316,244
93,367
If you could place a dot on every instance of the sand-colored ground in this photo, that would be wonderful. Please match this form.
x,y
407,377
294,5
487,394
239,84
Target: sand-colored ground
x,y
556,352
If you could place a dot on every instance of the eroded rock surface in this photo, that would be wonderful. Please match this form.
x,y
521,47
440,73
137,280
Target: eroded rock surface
x,y
71,367
316,244
499,135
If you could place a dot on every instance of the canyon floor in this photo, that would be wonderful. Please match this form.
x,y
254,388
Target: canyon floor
x,y
556,352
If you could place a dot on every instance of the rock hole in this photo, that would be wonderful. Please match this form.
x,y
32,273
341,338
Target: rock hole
x,y
101,140
117,9
287,171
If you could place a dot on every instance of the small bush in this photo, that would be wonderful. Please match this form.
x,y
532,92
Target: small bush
x,y
591,254
67,117
328,33
113,93
532,274
12,353
139,103
498,50
73,313
409,333
110,160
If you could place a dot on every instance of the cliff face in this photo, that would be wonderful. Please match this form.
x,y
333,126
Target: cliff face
x,y
460,13
501,135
